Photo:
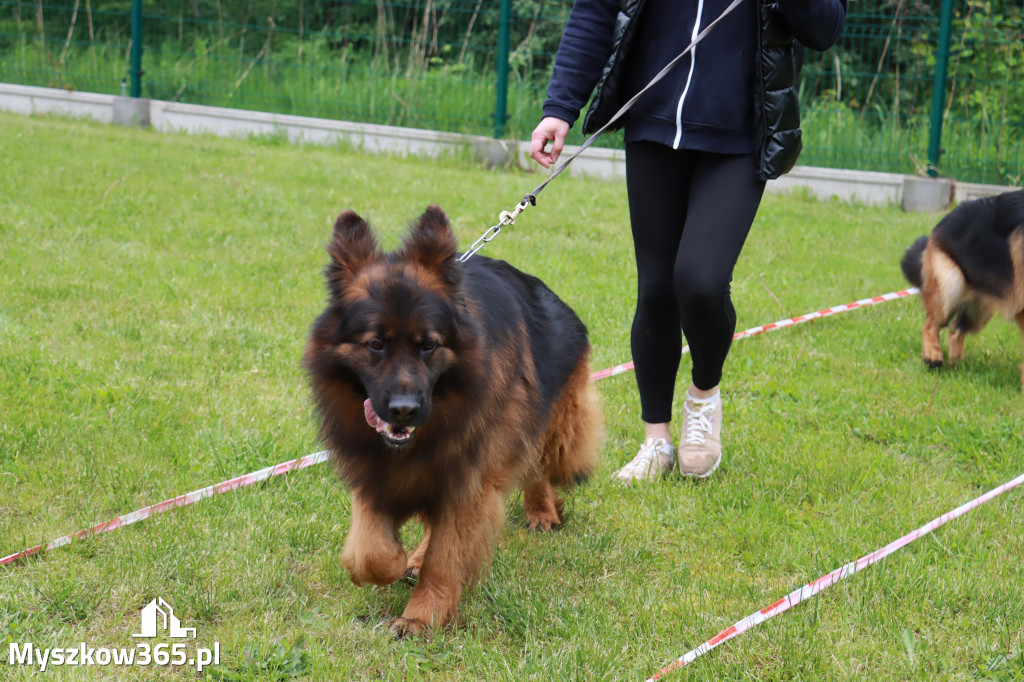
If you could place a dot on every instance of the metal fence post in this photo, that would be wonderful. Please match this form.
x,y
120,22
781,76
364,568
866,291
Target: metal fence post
x,y
939,94
135,58
501,96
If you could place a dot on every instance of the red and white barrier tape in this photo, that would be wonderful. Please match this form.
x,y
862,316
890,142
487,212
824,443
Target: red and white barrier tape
x,y
829,579
754,331
316,458
174,503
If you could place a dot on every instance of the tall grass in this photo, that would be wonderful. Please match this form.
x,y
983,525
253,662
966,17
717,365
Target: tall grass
x,y
972,151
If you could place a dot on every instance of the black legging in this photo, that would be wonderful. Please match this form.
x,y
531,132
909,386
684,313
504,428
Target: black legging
x,y
690,213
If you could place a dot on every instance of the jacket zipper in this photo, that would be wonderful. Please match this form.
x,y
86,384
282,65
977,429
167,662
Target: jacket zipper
x,y
689,77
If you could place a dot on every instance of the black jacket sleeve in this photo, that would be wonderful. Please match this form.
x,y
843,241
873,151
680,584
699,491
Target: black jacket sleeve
x,y
817,24
585,47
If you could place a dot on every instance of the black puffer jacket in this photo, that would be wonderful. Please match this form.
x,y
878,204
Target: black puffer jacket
x,y
736,94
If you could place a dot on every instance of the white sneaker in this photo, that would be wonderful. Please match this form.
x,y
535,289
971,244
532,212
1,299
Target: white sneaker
x,y
700,447
655,459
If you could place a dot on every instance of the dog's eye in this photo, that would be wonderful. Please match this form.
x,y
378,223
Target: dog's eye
x,y
428,346
375,345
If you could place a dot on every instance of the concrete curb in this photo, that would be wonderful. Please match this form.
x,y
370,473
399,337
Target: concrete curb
x,y
867,187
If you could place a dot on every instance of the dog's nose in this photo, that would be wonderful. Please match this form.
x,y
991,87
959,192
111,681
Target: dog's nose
x,y
403,409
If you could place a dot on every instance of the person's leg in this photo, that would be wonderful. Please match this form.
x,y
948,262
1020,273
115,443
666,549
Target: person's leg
x,y
724,198
656,181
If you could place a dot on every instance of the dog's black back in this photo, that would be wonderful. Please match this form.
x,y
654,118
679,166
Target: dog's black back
x,y
976,234
507,298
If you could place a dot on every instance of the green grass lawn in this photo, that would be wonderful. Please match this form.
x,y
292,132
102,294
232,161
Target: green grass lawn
x,y
155,295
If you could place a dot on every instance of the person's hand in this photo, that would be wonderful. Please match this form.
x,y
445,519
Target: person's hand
x,y
550,129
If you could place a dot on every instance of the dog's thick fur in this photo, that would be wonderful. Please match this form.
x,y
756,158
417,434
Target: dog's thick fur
x,y
481,373
970,267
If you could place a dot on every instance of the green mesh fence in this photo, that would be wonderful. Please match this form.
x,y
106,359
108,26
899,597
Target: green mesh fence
x,y
868,101
433,64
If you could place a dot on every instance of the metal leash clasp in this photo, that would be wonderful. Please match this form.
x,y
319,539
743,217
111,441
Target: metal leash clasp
x,y
504,218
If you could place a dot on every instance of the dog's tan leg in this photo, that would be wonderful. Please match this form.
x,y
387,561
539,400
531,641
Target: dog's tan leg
x,y
543,508
1020,324
931,348
941,291
461,545
415,561
569,449
972,317
956,345
372,553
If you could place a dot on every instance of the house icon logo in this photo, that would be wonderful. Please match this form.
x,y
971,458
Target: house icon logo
x,y
159,613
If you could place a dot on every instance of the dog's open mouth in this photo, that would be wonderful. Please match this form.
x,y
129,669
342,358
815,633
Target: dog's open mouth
x,y
394,435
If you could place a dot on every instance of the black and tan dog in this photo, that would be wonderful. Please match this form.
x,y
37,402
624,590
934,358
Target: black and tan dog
x,y
970,267
442,385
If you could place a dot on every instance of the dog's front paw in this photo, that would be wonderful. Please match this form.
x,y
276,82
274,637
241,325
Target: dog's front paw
x,y
407,627
931,351
544,521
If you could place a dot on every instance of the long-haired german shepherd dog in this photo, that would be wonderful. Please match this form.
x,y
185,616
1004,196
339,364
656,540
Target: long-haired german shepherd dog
x,y
970,267
440,386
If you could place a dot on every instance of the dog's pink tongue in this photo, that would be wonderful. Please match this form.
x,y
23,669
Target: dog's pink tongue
x,y
371,417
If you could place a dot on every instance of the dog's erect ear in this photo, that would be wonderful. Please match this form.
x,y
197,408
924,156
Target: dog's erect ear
x,y
352,248
432,244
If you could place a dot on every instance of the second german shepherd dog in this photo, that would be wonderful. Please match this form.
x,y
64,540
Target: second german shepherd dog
x,y
441,385
970,267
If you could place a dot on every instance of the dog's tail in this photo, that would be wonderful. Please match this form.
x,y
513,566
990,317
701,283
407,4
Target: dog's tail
x,y
911,263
